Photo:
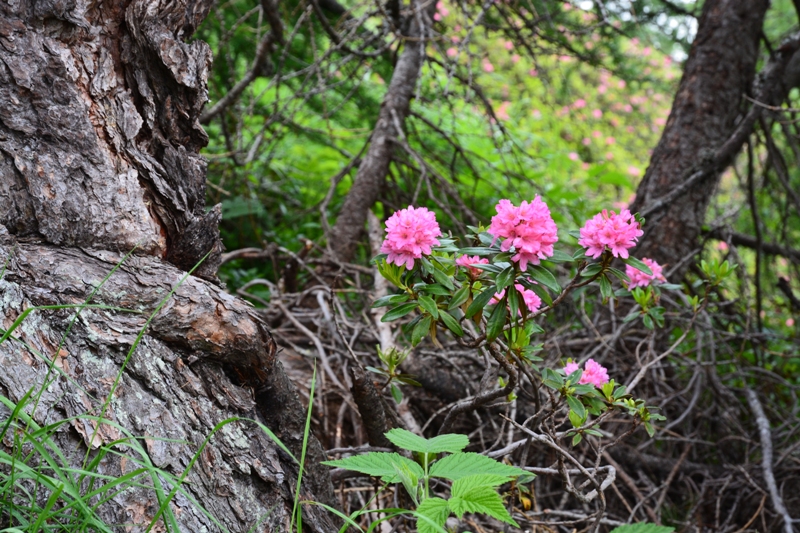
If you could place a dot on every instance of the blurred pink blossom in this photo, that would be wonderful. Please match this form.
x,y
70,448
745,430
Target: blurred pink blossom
x,y
502,111
487,66
573,156
641,279
621,84
722,246
602,89
509,45
609,156
618,232
790,322
597,134
533,72
580,103
597,113
515,58
452,52
610,140
634,171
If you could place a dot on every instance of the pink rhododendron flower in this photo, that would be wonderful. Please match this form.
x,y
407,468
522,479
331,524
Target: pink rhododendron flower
x,y
579,103
410,234
790,322
640,279
452,52
531,299
502,111
515,58
617,231
634,171
487,66
466,261
610,140
508,45
573,156
597,113
593,373
529,228
722,246
586,141
533,72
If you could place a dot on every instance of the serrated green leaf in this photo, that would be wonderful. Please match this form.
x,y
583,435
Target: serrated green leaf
x,y
476,494
644,527
399,311
459,297
435,509
449,442
480,301
420,330
427,303
545,277
390,300
638,265
451,323
378,464
459,465
496,321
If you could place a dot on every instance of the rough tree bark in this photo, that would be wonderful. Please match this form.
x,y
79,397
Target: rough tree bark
x,y
99,140
374,167
718,74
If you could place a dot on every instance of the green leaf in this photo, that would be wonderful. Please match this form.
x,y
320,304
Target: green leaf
x,y
451,323
378,464
505,278
399,311
644,527
390,300
459,465
605,287
427,303
591,270
480,301
576,405
449,442
560,257
420,330
435,288
545,277
476,494
435,509
478,250
459,297
443,279
552,379
496,321
577,439
397,394
638,265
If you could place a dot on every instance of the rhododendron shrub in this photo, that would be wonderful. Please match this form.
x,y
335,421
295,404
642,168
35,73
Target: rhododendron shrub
x,y
492,292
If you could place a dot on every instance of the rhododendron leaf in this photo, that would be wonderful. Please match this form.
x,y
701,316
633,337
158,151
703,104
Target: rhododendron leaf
x,y
560,257
460,296
478,250
552,379
451,323
591,270
579,254
638,265
390,300
434,288
577,439
442,278
505,278
576,405
491,268
427,303
543,294
575,233
619,273
583,389
545,277
605,287
420,330
486,238
513,303
496,321
480,301
648,322
671,286
399,311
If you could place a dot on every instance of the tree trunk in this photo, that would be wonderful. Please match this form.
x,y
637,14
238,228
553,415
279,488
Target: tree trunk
x,y
99,141
371,175
718,74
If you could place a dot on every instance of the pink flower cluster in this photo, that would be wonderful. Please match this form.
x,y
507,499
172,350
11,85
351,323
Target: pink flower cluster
x,y
531,299
410,233
593,373
617,231
467,261
529,228
640,279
